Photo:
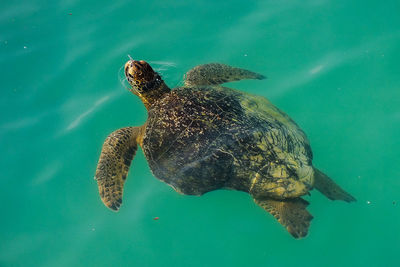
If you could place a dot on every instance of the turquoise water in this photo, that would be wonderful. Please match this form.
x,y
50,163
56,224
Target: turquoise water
x,y
333,66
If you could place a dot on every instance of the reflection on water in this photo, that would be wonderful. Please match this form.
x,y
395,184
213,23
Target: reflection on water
x,y
331,65
78,120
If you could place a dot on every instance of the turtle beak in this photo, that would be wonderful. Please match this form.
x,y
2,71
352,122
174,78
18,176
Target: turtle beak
x,y
129,71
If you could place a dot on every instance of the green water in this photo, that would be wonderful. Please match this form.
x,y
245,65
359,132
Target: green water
x,y
333,66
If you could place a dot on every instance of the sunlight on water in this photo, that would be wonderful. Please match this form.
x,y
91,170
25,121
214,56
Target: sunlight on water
x,y
20,124
78,120
332,66
48,173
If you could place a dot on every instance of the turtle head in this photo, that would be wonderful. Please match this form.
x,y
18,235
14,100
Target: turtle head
x,y
141,76
145,82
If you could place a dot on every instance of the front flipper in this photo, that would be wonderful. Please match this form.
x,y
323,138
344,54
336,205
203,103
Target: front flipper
x,y
216,73
291,213
118,150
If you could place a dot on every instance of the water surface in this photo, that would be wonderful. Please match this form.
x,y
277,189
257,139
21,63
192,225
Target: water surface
x,y
331,65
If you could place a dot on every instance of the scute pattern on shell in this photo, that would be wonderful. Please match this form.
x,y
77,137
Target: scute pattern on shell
x,y
199,139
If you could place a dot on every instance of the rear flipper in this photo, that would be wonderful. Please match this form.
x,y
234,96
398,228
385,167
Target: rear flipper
x,y
329,188
216,73
291,213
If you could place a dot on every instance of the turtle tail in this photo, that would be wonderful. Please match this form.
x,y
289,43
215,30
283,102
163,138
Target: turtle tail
x,y
329,188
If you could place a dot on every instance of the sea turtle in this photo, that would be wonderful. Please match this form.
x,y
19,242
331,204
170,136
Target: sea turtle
x,y
202,137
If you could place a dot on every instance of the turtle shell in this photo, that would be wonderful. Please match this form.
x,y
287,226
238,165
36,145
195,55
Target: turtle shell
x,y
202,139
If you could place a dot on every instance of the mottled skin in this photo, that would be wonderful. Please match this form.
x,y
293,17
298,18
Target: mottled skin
x,y
202,137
